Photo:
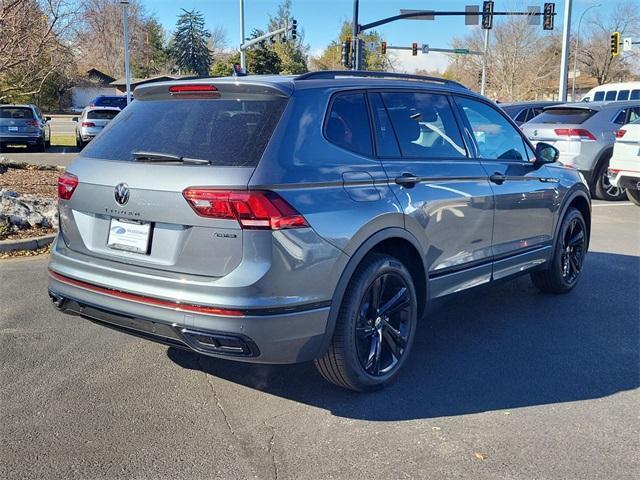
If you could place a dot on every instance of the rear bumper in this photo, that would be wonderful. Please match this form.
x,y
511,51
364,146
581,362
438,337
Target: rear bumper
x,y
259,337
625,179
30,139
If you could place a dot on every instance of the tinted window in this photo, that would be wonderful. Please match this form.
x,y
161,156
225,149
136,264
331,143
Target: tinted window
x,y
424,125
535,112
348,123
610,95
564,115
598,96
102,114
511,111
635,95
228,132
623,94
495,136
621,117
522,117
385,138
22,113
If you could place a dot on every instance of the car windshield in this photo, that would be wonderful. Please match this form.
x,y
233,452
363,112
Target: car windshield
x,y
21,113
226,132
102,114
564,115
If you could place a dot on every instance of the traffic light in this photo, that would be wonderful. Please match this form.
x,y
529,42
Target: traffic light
x,y
414,49
615,44
383,48
345,60
360,51
294,29
548,16
487,15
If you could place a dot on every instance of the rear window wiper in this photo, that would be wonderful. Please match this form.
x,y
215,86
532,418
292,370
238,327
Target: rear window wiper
x,y
166,157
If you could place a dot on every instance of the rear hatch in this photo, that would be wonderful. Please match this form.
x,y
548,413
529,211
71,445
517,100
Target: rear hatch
x,y
560,126
130,204
17,121
99,118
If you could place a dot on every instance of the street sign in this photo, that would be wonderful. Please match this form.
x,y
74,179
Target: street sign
x,y
425,48
472,16
427,15
534,15
461,51
627,44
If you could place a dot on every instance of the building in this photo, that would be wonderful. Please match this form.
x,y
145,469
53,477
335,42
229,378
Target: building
x,y
90,85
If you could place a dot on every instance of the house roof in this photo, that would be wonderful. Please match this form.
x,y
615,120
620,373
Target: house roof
x,y
103,76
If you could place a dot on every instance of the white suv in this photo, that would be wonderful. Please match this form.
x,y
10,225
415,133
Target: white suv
x,y
624,168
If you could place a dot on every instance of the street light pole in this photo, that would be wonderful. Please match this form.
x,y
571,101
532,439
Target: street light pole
x,y
564,61
484,61
575,55
243,53
127,70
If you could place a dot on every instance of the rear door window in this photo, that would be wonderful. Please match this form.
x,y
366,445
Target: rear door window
x,y
623,95
496,138
621,117
19,113
102,114
225,131
347,124
522,116
385,137
564,115
610,95
599,96
425,125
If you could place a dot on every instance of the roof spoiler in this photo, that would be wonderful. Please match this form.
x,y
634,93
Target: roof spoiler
x,y
223,85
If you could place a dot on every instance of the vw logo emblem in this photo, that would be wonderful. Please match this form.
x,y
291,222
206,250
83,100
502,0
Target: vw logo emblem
x,y
121,193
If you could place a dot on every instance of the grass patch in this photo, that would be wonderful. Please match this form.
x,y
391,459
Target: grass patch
x,y
63,140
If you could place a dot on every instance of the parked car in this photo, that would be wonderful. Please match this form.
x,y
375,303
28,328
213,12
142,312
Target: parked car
x,y
613,92
119,101
585,133
91,122
522,112
624,168
24,125
317,227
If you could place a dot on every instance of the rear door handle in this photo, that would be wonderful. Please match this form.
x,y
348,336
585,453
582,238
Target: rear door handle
x,y
407,180
498,178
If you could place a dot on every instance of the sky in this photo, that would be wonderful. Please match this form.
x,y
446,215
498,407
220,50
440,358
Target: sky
x,y
321,20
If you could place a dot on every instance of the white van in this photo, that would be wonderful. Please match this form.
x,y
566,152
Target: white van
x,y
611,92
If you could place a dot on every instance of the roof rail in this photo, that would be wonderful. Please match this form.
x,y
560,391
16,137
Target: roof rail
x,y
332,74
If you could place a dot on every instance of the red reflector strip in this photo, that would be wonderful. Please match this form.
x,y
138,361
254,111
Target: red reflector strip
x,y
192,88
156,302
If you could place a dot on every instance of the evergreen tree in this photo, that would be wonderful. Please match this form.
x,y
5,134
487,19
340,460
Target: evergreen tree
x,y
292,53
189,45
262,58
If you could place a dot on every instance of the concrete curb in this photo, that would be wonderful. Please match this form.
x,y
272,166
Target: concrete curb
x,y
26,243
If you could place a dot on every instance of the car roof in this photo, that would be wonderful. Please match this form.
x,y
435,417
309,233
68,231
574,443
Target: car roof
x,y
21,105
528,103
287,84
101,107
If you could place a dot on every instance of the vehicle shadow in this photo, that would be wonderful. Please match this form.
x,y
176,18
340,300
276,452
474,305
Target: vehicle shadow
x,y
495,348
51,149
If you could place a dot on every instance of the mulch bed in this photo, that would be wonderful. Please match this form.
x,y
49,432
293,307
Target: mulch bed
x,y
31,180
26,233
26,253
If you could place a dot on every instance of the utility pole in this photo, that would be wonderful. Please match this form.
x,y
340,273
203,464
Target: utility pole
x,y
575,54
356,44
484,61
243,53
127,70
564,61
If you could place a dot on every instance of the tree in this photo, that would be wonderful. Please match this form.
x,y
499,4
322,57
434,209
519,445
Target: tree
x,y
190,49
521,61
292,53
152,55
262,58
32,45
374,60
595,57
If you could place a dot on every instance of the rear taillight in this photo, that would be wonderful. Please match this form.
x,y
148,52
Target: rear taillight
x,y
620,133
87,124
32,123
579,133
253,210
67,184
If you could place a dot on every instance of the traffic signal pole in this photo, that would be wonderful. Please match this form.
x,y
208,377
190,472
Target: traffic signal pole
x,y
356,45
564,60
243,53
485,52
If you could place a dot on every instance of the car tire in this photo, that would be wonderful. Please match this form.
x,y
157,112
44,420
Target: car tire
x,y
603,189
565,268
41,146
365,353
633,196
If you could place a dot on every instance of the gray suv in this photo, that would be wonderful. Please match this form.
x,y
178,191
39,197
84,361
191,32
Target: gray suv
x,y
287,219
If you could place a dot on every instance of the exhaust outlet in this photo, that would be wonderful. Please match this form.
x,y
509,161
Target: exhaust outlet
x,y
57,300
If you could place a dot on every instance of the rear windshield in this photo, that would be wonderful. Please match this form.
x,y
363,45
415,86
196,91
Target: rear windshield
x,y
102,114
227,132
564,115
16,112
120,102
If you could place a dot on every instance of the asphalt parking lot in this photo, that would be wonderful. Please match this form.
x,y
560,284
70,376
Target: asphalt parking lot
x,y
504,383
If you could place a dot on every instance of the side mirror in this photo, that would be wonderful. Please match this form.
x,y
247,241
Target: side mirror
x,y
47,119
546,153
74,119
